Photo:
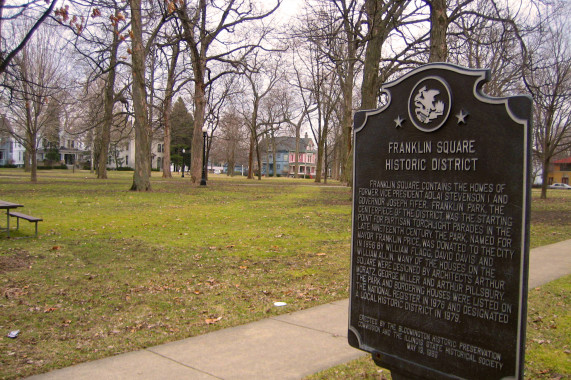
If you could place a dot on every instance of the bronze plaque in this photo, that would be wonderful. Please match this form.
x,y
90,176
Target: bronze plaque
x,y
440,227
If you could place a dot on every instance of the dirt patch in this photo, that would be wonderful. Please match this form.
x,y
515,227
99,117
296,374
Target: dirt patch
x,y
14,259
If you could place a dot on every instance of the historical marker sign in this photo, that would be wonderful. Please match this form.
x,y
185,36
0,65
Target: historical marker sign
x,y
440,228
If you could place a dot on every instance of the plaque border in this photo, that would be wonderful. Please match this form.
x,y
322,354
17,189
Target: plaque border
x,y
482,76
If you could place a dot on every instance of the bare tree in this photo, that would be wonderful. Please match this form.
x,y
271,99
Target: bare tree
x,y
231,139
205,26
334,27
38,76
478,42
139,53
548,78
143,131
167,108
20,33
315,81
383,17
262,76
98,41
219,99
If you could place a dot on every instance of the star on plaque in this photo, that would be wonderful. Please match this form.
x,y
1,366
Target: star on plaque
x,y
461,116
399,122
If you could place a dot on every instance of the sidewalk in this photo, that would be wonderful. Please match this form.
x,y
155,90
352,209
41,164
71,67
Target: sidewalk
x,y
289,346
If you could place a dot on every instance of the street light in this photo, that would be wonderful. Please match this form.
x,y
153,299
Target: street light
x,y
182,162
203,180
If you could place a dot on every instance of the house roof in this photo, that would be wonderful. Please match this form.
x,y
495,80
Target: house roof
x,y
287,144
563,161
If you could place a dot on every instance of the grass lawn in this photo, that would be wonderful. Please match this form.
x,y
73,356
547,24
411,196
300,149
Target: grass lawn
x,y
115,271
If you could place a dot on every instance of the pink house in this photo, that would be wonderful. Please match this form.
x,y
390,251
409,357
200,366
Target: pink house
x,y
283,162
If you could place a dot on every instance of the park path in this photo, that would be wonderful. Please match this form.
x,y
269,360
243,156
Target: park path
x,y
289,346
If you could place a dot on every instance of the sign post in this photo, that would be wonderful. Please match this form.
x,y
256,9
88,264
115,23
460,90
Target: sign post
x,y
440,238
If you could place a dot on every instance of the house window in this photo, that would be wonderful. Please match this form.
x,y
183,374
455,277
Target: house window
x,y
279,166
126,160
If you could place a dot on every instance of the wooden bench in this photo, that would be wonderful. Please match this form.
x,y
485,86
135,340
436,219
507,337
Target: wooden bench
x,y
29,218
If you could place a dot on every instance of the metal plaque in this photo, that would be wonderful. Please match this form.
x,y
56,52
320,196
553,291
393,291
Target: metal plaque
x,y
440,238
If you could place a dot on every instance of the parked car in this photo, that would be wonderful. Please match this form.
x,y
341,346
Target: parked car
x,y
562,186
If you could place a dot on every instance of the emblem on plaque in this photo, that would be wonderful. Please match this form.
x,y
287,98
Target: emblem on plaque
x,y
429,104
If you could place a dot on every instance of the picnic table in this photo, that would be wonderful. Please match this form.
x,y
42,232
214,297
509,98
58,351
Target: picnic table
x,y
4,205
8,206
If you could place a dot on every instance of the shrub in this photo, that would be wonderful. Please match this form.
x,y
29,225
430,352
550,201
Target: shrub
x,y
62,166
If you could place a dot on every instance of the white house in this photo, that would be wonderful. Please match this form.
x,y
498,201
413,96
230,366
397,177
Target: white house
x,y
123,154
11,152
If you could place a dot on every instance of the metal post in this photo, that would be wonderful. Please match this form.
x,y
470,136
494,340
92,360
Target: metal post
x,y
203,180
183,163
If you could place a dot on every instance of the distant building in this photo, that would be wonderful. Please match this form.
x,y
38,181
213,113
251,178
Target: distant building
x,y
123,154
70,150
11,152
560,171
282,162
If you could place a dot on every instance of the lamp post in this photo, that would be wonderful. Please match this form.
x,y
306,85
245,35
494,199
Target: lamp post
x,y
203,180
183,163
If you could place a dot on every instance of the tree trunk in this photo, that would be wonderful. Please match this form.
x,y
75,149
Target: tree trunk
x,y
370,85
251,157
34,166
320,155
109,102
297,137
325,161
142,175
167,110
545,178
438,27
259,160
33,150
166,144
274,156
197,143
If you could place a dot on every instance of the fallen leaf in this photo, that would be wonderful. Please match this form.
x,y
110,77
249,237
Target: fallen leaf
x,y
56,247
321,254
210,321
